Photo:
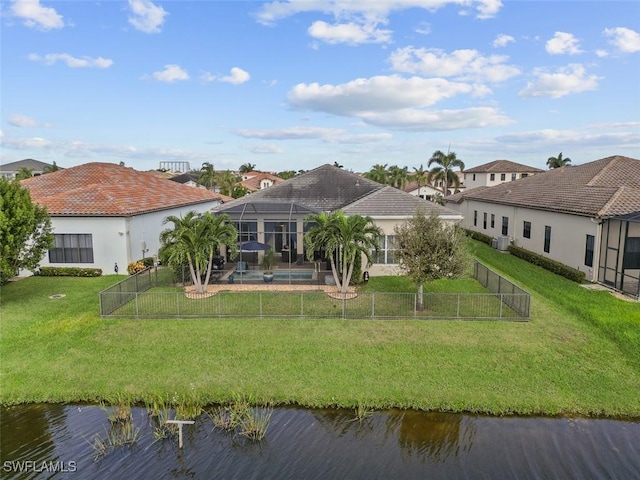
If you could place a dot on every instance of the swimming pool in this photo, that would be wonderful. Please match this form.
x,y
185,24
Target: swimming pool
x,y
277,275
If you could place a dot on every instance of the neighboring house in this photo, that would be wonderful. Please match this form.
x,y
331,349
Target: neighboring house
x,y
254,181
276,215
10,170
105,214
496,173
586,217
426,192
189,179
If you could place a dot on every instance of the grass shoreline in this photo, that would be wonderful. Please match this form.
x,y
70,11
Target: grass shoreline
x,y
571,359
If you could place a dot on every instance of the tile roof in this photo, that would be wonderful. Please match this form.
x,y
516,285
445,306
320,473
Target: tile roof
x,y
603,188
391,202
253,182
325,188
503,166
328,188
30,163
105,189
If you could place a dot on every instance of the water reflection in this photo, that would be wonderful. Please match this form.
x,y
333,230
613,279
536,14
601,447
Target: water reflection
x,y
329,444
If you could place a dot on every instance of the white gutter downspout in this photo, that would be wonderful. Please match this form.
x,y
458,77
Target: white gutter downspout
x,y
596,250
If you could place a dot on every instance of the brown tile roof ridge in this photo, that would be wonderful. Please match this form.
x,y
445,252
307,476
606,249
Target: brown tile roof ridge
x,y
106,189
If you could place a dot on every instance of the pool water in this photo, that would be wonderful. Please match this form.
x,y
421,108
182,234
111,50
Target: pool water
x,y
277,275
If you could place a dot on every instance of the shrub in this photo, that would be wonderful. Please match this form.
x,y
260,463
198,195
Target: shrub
x,y
481,237
548,264
70,272
135,267
147,262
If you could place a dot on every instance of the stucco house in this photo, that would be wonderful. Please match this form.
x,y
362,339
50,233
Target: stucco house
x,y
496,173
275,215
105,215
586,217
254,181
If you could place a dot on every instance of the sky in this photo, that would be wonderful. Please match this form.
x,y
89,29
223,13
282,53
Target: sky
x,y
295,84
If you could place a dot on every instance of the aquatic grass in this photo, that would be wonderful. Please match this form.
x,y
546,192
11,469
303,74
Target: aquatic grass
x,y
120,434
117,408
362,411
188,406
254,423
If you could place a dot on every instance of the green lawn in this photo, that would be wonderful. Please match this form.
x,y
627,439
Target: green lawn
x,y
579,354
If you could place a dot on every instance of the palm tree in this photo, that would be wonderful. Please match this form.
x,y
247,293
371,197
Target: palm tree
x,y
557,162
228,180
419,176
50,168
247,167
443,171
398,177
378,173
208,175
193,241
24,172
344,238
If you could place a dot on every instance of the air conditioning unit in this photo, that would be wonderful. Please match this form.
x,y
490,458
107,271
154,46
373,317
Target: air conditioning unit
x,y
494,242
503,243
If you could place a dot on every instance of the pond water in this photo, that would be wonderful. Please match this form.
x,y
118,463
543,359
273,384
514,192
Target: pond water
x,y
323,444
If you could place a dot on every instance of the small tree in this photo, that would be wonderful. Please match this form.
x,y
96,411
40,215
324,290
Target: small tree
x,y
25,230
429,249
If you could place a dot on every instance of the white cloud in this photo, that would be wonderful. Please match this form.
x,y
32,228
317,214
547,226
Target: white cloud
x,y
381,93
237,77
592,136
264,149
270,13
503,40
563,43
566,81
625,39
414,119
70,60
290,133
424,28
170,74
359,138
24,121
146,16
350,33
464,64
36,15
602,53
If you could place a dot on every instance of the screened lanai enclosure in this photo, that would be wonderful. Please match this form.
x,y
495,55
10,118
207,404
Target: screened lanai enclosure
x,y
620,254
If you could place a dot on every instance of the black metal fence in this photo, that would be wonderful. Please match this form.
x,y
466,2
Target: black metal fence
x,y
510,294
131,298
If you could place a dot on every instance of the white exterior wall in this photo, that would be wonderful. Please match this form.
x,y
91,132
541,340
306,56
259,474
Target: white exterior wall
x,y
484,179
119,239
568,232
425,191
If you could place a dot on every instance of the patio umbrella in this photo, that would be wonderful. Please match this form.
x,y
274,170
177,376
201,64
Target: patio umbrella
x,y
252,246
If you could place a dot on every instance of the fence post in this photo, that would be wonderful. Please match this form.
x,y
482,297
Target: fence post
x,y
137,309
457,305
178,303
501,303
373,305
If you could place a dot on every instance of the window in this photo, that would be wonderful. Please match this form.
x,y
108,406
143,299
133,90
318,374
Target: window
x,y
387,252
493,221
474,177
475,218
526,232
72,248
492,177
632,253
247,231
524,175
514,176
484,220
503,176
547,238
588,251
505,225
